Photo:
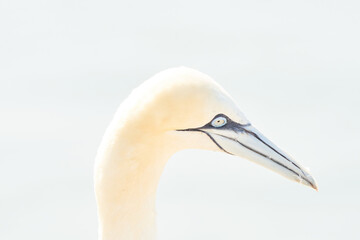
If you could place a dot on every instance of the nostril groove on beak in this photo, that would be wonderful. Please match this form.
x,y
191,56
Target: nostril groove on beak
x,y
261,140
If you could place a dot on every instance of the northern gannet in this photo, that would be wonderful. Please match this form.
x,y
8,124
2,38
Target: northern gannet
x,y
179,108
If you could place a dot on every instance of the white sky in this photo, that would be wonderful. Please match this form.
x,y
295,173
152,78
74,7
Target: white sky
x,y
293,67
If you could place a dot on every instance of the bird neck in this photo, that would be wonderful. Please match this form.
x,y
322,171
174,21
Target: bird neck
x,y
127,173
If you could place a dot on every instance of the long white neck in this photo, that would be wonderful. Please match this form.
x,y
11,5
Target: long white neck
x,y
127,172
138,143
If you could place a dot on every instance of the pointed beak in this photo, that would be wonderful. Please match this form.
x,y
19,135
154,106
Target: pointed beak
x,y
247,142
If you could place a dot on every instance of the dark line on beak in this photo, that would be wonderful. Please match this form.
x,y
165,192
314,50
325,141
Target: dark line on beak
x,y
198,130
253,150
258,138
273,160
215,142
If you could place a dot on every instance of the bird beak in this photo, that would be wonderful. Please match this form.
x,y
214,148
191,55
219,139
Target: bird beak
x,y
246,141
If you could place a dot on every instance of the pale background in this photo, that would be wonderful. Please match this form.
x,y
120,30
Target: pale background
x,y
293,67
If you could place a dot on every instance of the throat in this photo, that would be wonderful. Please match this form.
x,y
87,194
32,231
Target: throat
x,y
126,180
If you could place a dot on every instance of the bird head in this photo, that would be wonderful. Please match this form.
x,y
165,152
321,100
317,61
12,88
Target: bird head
x,y
197,112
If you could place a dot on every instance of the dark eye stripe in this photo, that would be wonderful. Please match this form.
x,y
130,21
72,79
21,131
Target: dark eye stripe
x,y
228,125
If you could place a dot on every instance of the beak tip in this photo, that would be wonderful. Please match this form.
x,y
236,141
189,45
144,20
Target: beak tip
x,y
306,179
310,181
315,187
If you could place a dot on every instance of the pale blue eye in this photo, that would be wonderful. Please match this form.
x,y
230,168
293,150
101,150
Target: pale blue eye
x,y
219,122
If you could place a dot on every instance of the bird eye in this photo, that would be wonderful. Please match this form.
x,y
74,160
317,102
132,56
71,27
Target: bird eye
x,y
219,122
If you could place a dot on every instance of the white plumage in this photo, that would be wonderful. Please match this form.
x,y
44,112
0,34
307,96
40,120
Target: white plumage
x,y
176,109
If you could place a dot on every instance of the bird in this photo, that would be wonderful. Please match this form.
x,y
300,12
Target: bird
x,y
176,109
